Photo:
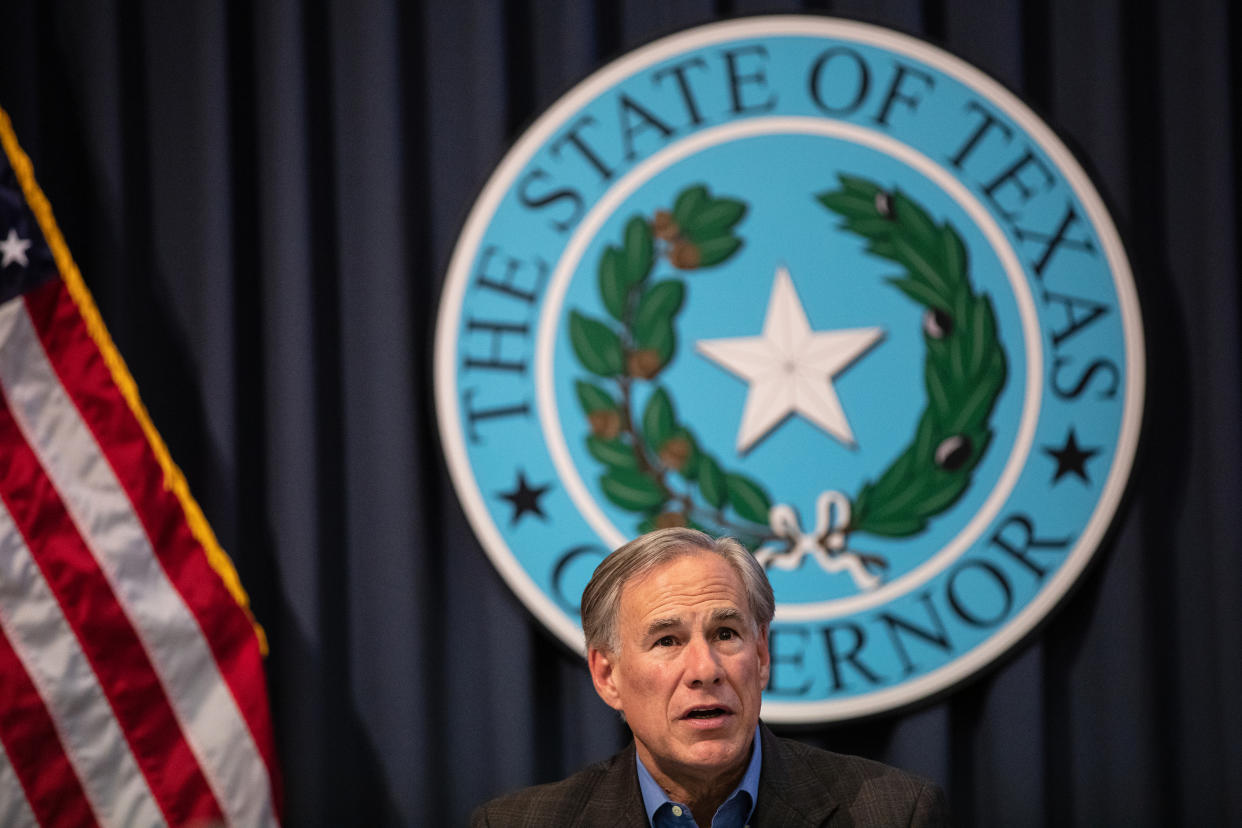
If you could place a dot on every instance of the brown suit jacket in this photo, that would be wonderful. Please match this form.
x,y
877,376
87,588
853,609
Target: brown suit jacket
x,y
798,786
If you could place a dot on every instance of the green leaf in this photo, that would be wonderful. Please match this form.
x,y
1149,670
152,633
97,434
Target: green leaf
x,y
596,346
848,204
712,482
953,253
714,251
893,527
914,219
956,365
615,453
715,219
920,267
944,493
632,490
939,390
614,288
905,502
924,445
874,229
662,340
747,498
983,332
895,479
593,398
883,248
658,419
657,306
859,186
689,202
639,253
858,512
975,407
919,292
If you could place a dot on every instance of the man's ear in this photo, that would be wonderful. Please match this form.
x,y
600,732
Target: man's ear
x,y
765,657
603,674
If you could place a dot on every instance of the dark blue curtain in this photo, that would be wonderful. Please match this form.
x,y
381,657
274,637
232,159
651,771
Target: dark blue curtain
x,y
263,199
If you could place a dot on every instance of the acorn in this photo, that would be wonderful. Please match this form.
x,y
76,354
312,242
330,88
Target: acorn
x,y
953,452
668,520
937,324
605,424
675,453
884,204
665,226
684,255
643,363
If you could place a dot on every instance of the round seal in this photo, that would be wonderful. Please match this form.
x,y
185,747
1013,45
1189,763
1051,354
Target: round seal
x,y
822,287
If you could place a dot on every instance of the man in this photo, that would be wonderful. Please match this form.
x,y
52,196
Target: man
x,y
676,626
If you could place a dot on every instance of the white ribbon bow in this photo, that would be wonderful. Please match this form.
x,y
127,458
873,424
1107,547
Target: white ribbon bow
x,y
826,544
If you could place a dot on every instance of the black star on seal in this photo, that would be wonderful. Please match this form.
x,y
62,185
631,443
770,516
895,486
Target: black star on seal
x,y
1071,458
525,498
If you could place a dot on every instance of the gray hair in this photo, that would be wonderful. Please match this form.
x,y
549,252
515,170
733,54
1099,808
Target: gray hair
x,y
601,600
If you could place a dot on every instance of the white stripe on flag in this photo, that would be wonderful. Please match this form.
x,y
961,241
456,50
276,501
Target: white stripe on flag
x,y
14,809
100,508
47,648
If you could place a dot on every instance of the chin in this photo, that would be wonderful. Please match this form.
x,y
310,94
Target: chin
x,y
720,752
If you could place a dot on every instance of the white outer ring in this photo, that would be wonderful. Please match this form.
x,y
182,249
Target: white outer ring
x,y
457,279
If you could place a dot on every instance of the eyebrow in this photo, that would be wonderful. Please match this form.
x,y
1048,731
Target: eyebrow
x,y
659,625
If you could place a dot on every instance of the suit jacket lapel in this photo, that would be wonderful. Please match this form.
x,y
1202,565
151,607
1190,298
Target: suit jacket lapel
x,y
789,793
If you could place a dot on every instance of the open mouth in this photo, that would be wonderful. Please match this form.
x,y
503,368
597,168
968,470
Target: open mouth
x,y
707,713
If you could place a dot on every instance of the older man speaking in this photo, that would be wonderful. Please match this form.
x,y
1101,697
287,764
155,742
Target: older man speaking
x,y
676,626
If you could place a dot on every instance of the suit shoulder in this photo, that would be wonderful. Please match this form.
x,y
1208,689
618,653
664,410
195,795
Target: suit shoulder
x,y
874,793
843,764
552,803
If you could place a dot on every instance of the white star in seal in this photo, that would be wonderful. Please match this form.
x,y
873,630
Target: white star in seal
x,y
14,249
790,367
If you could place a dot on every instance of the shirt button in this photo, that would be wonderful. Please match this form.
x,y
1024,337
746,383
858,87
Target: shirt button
x,y
677,810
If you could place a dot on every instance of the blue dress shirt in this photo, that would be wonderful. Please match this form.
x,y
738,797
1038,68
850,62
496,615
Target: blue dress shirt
x,y
663,812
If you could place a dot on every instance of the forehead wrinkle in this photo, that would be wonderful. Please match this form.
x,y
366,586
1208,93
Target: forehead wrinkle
x,y
675,601
668,591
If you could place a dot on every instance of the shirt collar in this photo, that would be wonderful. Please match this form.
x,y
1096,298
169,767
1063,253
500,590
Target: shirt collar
x,y
654,796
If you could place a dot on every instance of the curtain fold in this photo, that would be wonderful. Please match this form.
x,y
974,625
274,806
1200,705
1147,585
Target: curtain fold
x,y
263,199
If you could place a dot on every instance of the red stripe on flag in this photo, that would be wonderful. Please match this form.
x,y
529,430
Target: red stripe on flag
x,y
107,638
34,748
227,628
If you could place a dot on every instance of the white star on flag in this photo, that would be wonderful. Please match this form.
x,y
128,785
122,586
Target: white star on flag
x,y
14,249
790,367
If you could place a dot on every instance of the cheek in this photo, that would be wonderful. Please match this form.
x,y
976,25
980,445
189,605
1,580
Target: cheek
x,y
750,674
651,681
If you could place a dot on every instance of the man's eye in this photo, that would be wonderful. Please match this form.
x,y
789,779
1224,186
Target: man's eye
x,y
727,634
666,641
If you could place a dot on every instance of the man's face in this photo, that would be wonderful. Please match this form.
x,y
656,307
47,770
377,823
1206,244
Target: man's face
x,y
690,669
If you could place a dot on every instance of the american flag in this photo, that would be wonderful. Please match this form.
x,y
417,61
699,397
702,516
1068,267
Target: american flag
x,y
131,679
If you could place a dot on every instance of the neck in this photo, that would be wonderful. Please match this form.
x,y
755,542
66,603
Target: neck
x,y
702,793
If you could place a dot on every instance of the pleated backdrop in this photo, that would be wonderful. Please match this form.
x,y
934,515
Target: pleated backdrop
x,y
263,198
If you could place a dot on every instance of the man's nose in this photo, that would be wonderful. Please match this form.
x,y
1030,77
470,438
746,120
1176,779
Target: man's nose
x,y
702,663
